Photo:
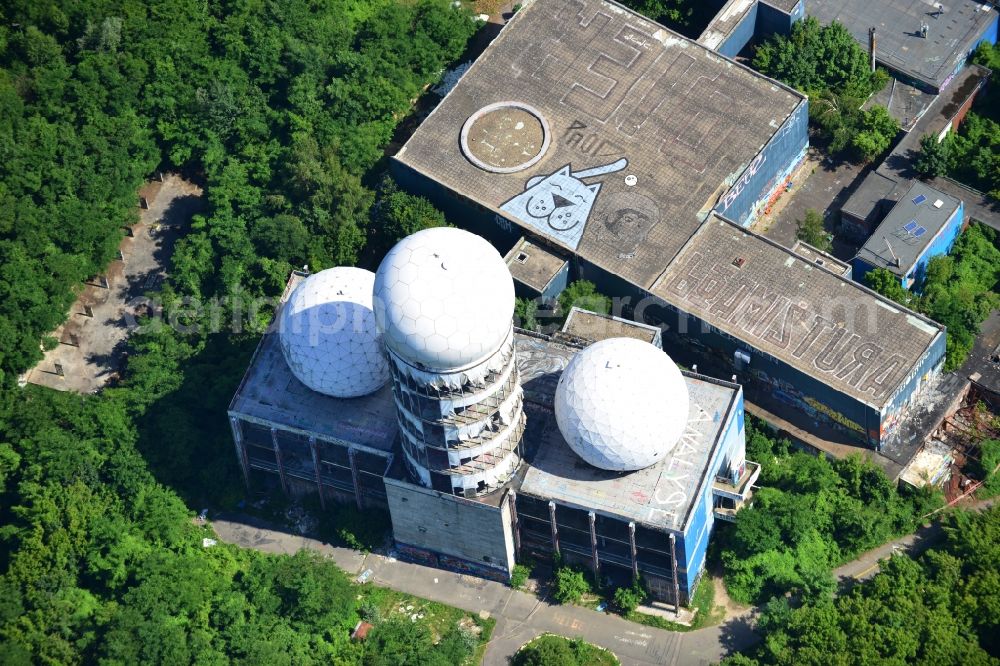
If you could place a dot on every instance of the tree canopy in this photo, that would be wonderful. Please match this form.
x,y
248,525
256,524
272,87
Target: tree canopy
x,y
939,609
971,156
809,515
827,64
282,112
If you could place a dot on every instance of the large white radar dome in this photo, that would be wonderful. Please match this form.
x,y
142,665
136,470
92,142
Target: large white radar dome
x,y
621,404
444,299
328,334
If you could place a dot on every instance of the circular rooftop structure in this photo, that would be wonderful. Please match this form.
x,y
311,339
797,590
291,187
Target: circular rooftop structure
x,y
621,404
328,334
505,137
444,299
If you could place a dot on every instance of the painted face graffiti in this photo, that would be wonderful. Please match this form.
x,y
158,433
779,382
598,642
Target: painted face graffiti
x,y
564,200
560,203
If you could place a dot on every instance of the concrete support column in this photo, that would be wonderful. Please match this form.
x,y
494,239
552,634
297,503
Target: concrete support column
x,y
241,449
515,525
632,549
592,519
555,530
319,483
354,479
277,458
673,569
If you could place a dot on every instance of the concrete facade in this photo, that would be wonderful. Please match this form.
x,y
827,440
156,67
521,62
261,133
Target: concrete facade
x,y
654,522
739,22
451,532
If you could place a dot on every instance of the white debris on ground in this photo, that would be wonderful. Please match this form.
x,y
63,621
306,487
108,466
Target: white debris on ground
x,y
301,520
451,78
208,543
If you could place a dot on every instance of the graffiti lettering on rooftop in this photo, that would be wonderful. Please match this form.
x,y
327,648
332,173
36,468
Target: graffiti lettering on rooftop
x,y
680,473
760,310
622,76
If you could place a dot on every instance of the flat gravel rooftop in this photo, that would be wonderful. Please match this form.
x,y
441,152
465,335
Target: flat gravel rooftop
x,y
642,130
816,321
898,44
660,496
911,226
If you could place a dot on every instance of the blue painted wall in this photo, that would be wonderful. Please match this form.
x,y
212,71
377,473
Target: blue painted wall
x,y
941,244
558,283
771,20
702,520
741,34
760,22
991,33
930,364
749,194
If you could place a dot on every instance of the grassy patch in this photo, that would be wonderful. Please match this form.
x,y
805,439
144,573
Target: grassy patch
x,y
486,633
552,649
381,604
707,614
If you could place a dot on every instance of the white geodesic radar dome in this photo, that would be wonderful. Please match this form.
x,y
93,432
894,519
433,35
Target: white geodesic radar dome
x,y
444,299
621,404
328,334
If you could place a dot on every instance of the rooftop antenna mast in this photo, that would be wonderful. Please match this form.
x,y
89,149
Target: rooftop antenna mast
x,y
895,259
871,48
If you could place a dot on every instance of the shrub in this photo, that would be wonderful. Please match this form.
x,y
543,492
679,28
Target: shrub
x,y
627,599
989,458
583,294
519,576
570,585
811,230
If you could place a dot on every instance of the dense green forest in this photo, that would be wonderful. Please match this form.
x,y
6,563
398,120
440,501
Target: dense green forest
x,y
282,112
826,63
959,290
809,515
942,608
972,155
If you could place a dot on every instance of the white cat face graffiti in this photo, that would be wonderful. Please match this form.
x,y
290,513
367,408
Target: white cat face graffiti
x,y
559,204
564,200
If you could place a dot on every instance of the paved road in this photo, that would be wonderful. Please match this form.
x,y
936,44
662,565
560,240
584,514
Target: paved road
x,y
825,188
520,616
866,565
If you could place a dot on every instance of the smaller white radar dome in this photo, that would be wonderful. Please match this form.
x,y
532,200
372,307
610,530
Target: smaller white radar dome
x,y
328,334
621,404
444,299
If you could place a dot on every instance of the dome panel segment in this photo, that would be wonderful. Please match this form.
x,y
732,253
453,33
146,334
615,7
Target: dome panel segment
x,y
621,404
450,276
328,334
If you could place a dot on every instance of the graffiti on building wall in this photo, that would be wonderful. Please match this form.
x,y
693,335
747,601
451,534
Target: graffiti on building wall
x,y
787,394
671,492
560,203
761,311
737,189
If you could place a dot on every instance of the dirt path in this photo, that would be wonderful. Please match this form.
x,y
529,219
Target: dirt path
x,y
92,340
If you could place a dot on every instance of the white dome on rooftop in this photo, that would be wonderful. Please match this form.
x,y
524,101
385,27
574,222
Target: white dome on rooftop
x,y
444,299
328,334
621,404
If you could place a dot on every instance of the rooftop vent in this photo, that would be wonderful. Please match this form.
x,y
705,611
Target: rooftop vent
x,y
739,261
938,203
